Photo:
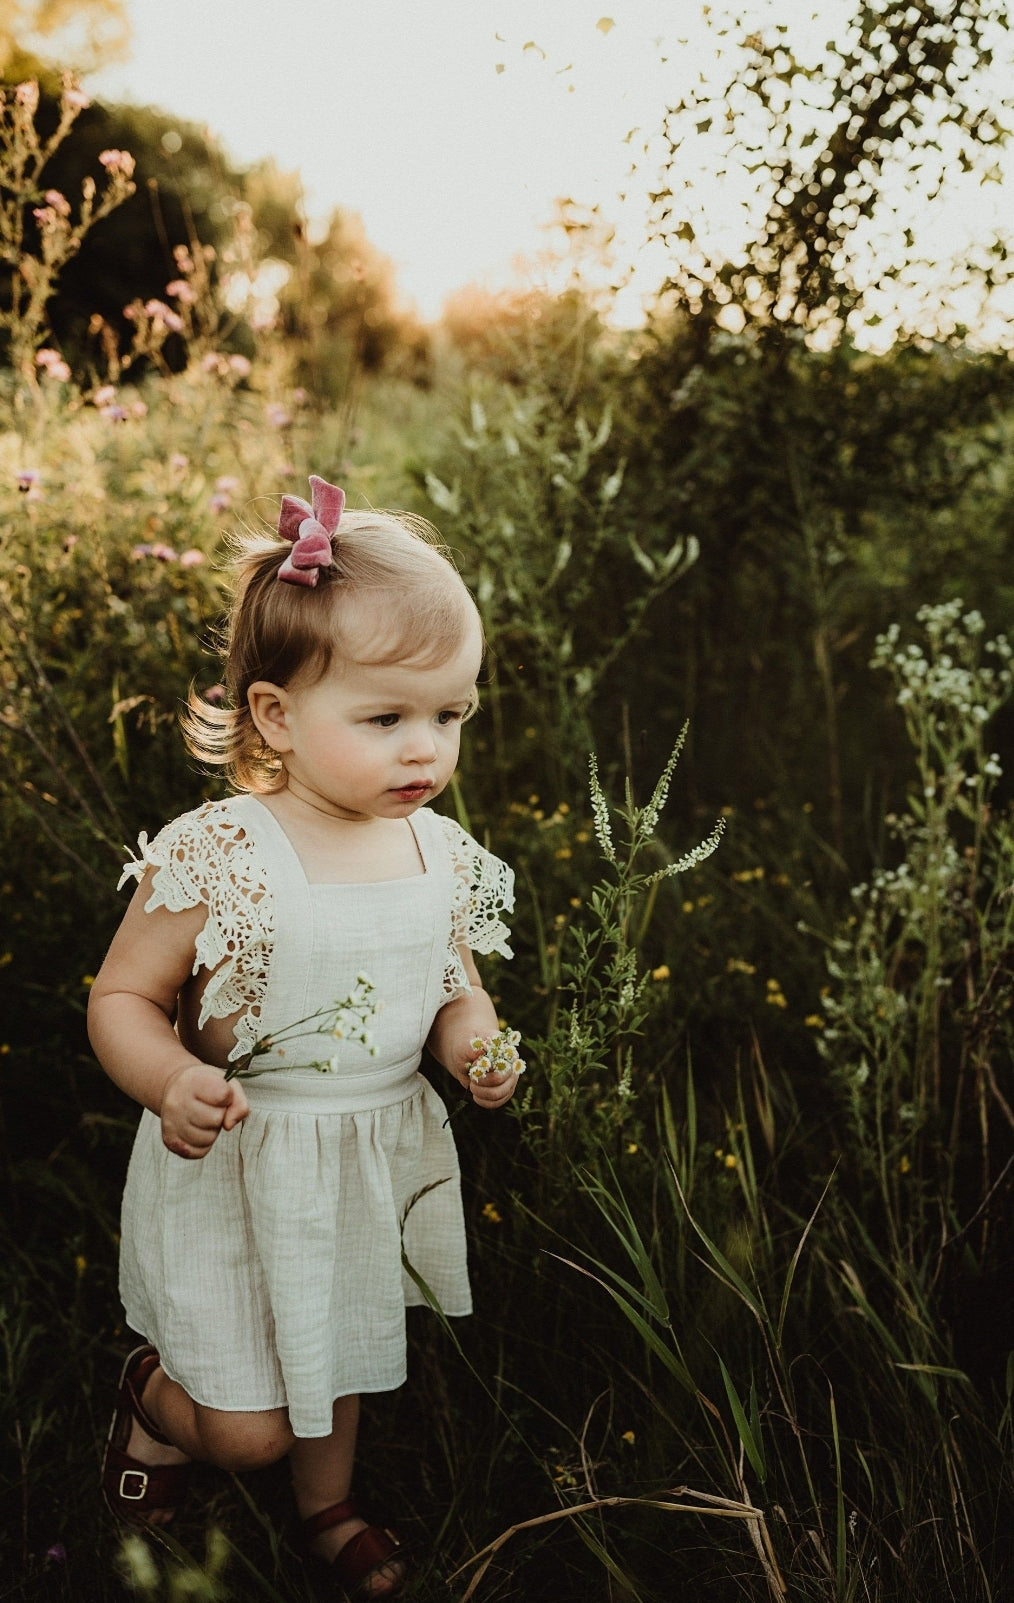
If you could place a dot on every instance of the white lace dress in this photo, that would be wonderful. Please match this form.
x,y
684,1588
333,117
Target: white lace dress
x,y
269,1273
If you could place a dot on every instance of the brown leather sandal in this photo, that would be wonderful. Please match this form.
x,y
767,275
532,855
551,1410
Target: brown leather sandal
x,y
363,1554
133,1490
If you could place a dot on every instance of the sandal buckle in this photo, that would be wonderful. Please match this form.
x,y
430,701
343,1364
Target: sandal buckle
x,y
134,1478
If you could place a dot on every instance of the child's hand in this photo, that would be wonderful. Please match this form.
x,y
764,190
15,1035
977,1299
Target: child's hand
x,y
198,1102
493,1065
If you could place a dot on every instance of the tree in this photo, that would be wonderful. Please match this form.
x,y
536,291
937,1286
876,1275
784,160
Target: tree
x,y
340,308
826,155
87,32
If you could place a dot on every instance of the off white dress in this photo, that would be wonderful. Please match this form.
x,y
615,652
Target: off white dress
x,y
269,1273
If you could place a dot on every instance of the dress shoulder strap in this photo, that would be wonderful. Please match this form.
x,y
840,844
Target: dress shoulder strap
x,y
210,856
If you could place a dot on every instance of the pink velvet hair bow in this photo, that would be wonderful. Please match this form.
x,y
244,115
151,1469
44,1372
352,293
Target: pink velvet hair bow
x,y
310,529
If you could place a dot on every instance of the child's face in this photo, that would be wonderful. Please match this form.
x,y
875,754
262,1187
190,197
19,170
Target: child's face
x,y
372,741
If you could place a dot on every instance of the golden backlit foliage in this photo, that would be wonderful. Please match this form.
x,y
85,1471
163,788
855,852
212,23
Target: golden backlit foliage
x,y
82,33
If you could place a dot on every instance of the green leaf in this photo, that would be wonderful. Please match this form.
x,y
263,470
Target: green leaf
x,y
751,1441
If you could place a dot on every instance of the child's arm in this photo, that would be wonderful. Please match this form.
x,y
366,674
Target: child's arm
x,y
130,1027
455,1027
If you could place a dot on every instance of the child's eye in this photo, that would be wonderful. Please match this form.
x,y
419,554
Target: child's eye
x,y
448,717
385,720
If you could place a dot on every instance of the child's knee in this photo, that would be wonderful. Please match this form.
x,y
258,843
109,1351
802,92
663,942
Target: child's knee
x,y
244,1441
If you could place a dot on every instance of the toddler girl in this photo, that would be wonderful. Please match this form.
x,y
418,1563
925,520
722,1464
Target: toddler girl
x,y
264,1215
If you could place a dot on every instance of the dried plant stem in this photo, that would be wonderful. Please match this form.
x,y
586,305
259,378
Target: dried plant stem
x,y
717,1507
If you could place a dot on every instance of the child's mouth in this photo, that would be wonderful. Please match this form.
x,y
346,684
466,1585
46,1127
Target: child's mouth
x,y
413,792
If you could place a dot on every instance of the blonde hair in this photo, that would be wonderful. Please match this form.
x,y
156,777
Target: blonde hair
x,y
422,614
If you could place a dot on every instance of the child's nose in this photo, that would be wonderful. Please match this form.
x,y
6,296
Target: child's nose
x,y
420,744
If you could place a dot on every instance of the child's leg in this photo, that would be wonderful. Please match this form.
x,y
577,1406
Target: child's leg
x,y
156,1426
234,1441
321,1476
322,1465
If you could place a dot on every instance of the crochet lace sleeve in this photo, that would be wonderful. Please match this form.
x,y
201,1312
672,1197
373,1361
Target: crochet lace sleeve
x,y
483,890
206,857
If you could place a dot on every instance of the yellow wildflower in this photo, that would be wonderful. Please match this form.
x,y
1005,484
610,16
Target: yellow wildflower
x,y
660,973
688,907
814,1021
730,1160
491,1213
904,1165
628,1436
80,1265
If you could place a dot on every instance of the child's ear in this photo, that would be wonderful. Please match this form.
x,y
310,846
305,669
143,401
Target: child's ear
x,y
269,709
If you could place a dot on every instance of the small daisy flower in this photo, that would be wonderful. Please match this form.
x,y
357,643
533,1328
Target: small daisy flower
x,y
498,1055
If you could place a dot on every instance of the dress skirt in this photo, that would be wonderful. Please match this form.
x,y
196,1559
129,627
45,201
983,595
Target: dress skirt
x,y
270,1274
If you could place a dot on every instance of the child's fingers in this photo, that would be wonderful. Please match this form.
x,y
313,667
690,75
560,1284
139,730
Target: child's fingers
x,y
237,1108
494,1089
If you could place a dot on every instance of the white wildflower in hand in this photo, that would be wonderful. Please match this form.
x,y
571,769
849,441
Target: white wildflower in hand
x,y
345,1020
498,1055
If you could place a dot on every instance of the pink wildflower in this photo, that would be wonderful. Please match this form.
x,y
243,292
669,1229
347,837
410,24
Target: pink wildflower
x,y
299,396
103,396
214,694
178,462
162,314
180,290
27,94
220,503
240,366
73,95
139,552
117,161
211,362
139,409
70,542
46,217
59,202
226,484
53,364
277,416
191,559
113,414
28,478
183,259
162,552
